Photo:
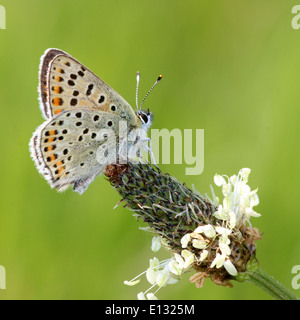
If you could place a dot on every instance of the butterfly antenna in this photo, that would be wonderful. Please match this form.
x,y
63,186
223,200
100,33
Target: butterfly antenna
x,y
137,90
155,83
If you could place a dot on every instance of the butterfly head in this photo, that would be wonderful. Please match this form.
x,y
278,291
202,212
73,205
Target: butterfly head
x,y
145,117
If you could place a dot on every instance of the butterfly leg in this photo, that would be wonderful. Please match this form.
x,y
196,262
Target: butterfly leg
x,y
143,143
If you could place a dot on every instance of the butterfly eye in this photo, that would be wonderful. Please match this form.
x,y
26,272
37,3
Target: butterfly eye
x,y
144,117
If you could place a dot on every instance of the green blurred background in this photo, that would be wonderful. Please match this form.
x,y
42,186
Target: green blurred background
x,y
230,67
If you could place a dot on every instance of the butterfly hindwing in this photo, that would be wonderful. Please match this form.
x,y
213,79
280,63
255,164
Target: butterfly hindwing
x,y
66,148
66,84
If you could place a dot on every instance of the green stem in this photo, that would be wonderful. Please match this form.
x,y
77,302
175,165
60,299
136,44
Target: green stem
x,y
270,285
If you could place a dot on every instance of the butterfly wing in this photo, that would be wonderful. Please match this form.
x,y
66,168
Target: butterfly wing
x,y
73,147
66,84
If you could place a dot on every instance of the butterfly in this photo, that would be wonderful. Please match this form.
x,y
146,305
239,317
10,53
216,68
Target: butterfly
x,y
79,109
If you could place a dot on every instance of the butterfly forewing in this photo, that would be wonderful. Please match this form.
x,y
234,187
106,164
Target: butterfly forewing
x,y
66,84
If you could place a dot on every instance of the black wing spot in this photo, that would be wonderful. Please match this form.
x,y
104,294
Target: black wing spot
x,y
73,102
89,89
101,99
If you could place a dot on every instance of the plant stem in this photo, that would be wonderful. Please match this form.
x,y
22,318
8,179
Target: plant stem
x,y
269,284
